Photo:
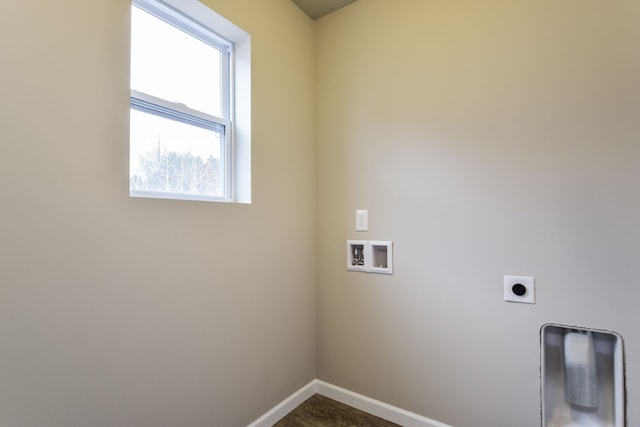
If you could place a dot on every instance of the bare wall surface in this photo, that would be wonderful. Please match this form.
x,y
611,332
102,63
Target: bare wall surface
x,y
136,312
485,138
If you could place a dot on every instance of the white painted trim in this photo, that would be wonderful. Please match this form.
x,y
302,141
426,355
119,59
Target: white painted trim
x,y
375,407
358,401
279,411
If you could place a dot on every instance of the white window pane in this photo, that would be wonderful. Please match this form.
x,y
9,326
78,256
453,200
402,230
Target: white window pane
x,y
173,157
170,64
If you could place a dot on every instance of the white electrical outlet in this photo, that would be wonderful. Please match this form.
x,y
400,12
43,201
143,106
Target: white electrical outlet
x,y
520,289
362,220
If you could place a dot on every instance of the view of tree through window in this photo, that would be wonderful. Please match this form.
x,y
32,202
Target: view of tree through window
x,y
173,157
171,172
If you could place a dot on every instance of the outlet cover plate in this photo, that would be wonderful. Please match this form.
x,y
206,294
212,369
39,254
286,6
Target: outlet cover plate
x,y
529,297
362,220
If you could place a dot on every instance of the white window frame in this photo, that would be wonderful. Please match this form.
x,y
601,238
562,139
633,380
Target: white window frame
x,y
199,21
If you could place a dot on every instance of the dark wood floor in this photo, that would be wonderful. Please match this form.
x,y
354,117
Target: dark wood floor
x,y
320,411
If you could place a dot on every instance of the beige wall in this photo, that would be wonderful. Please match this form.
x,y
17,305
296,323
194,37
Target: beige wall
x,y
485,138
131,312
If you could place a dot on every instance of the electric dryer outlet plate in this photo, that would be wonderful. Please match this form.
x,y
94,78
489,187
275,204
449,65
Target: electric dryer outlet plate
x,y
519,289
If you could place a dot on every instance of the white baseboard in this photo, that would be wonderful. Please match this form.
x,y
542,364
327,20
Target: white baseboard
x,y
279,411
375,407
358,401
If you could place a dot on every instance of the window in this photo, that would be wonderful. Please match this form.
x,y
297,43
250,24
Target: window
x,y
181,119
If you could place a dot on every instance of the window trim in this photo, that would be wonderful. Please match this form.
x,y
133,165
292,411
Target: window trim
x,y
235,153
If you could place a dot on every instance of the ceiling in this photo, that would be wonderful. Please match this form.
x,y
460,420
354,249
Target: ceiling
x,y
317,8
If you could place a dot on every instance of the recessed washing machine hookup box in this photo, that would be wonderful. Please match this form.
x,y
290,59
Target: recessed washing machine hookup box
x,y
370,256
